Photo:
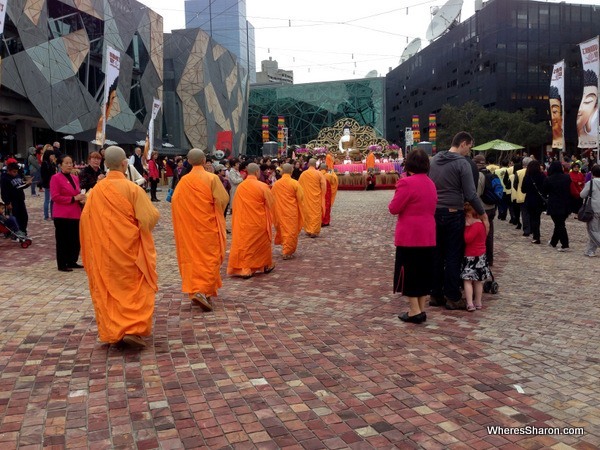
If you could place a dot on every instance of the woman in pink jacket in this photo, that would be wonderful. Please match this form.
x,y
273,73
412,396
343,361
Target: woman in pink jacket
x,y
153,175
66,211
414,203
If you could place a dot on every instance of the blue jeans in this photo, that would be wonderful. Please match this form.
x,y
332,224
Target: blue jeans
x,y
449,251
47,203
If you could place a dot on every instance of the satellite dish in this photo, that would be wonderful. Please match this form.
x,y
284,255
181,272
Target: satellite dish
x,y
444,19
411,49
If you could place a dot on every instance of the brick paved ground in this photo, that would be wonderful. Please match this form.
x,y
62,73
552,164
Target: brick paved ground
x,y
310,356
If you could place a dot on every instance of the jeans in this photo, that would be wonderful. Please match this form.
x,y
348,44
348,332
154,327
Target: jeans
x,y
47,204
560,231
449,251
34,181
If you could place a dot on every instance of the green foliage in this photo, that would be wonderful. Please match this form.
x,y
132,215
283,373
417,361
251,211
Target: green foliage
x,y
489,124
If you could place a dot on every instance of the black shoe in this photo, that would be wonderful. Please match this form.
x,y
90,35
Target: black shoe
x,y
155,200
65,269
536,241
75,266
436,301
418,318
526,234
518,226
458,304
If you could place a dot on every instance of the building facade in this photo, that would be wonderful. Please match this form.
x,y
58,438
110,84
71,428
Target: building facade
x,y
225,21
308,108
205,93
271,73
502,57
53,75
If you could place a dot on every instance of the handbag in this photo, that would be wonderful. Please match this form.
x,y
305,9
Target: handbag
x,y
586,213
544,199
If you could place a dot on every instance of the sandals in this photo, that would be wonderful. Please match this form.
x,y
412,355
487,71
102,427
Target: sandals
x,y
471,308
269,269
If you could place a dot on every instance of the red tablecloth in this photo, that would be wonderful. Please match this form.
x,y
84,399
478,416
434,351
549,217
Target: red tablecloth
x,y
342,168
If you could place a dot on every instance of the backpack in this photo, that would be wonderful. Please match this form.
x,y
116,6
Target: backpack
x,y
492,190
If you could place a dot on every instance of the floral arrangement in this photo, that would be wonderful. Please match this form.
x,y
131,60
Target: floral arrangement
x,y
302,151
375,148
320,151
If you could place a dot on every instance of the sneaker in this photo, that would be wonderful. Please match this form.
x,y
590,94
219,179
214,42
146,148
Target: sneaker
x,y
590,254
563,249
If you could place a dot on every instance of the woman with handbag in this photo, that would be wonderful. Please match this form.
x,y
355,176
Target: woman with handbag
x,y
557,186
535,202
593,226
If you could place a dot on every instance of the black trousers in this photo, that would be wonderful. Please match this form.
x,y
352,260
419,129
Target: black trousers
x,y
560,230
20,212
66,232
153,185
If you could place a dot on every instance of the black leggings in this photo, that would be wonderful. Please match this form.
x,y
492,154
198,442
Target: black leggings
x,y
66,232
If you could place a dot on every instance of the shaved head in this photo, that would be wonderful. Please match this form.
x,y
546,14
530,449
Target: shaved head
x,y
253,169
113,158
312,162
287,168
196,157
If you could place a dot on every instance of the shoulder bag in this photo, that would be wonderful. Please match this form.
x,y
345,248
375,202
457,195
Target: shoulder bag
x,y
586,213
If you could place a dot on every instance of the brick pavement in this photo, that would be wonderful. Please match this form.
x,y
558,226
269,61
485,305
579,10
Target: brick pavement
x,y
310,356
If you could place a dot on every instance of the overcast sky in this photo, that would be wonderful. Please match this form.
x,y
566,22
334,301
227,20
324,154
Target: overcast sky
x,y
323,40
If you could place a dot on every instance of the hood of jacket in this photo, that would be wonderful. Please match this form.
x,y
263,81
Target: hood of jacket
x,y
447,157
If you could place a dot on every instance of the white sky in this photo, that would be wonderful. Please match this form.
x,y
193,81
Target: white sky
x,y
330,39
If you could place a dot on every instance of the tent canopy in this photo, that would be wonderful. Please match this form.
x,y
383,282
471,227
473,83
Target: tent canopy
x,y
499,145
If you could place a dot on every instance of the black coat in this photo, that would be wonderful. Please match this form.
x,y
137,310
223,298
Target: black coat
x,y
533,186
558,188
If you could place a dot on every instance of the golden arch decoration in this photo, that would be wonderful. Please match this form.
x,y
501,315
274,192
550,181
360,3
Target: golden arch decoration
x,y
364,137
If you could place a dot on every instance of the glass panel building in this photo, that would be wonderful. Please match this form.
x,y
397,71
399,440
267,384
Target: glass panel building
x,y
310,107
225,21
502,57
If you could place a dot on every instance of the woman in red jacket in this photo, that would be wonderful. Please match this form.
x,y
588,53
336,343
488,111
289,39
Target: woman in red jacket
x,y
153,175
414,203
577,183
66,211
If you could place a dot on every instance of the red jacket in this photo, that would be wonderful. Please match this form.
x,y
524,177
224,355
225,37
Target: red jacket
x,y
62,193
414,203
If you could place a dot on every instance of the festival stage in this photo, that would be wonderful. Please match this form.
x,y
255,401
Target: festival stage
x,y
353,177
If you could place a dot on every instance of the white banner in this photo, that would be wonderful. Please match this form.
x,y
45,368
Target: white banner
x,y
587,116
155,108
2,14
112,66
557,100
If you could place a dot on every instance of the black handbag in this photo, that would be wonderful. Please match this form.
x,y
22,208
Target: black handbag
x,y
544,199
586,213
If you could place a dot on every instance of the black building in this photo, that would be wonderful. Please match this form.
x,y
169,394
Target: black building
x,y
501,57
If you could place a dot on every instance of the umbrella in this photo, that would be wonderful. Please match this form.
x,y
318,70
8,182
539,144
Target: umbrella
x,y
498,144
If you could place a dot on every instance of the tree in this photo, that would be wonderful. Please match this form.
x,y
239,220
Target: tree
x,y
488,124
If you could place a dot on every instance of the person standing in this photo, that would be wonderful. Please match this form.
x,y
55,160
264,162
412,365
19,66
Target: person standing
x,y
533,185
67,202
153,175
414,203
235,178
326,220
47,170
92,173
34,168
314,186
593,226
288,196
118,253
136,160
519,196
252,234
453,178
557,187
198,206
577,183
12,187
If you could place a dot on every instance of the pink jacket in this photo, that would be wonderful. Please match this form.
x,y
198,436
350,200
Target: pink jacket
x,y
414,203
62,192
153,171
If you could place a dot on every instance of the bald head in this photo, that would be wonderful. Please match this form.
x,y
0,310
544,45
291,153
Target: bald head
x,y
287,168
114,157
196,157
253,169
312,162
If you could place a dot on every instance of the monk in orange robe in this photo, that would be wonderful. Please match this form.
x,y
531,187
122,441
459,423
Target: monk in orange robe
x,y
119,255
370,163
288,196
326,219
313,207
329,161
333,179
199,202
252,227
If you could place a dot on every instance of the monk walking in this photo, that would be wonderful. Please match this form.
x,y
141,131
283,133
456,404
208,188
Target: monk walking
x,y
326,220
119,255
370,161
314,186
198,209
252,227
288,195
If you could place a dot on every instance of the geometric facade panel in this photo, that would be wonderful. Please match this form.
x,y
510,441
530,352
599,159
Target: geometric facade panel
x,y
33,9
77,45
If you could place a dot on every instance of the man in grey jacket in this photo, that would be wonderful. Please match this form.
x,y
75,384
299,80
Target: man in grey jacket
x,y
453,178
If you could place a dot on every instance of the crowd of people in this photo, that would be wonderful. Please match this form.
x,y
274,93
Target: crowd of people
x,y
446,208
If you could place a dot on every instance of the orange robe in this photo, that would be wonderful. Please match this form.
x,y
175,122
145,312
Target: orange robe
x,y
252,233
118,253
370,161
333,179
329,161
313,207
288,196
199,225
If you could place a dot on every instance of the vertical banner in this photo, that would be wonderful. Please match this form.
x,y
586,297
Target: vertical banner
x,y
156,104
2,14
112,67
265,129
416,129
556,98
587,116
280,135
433,131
